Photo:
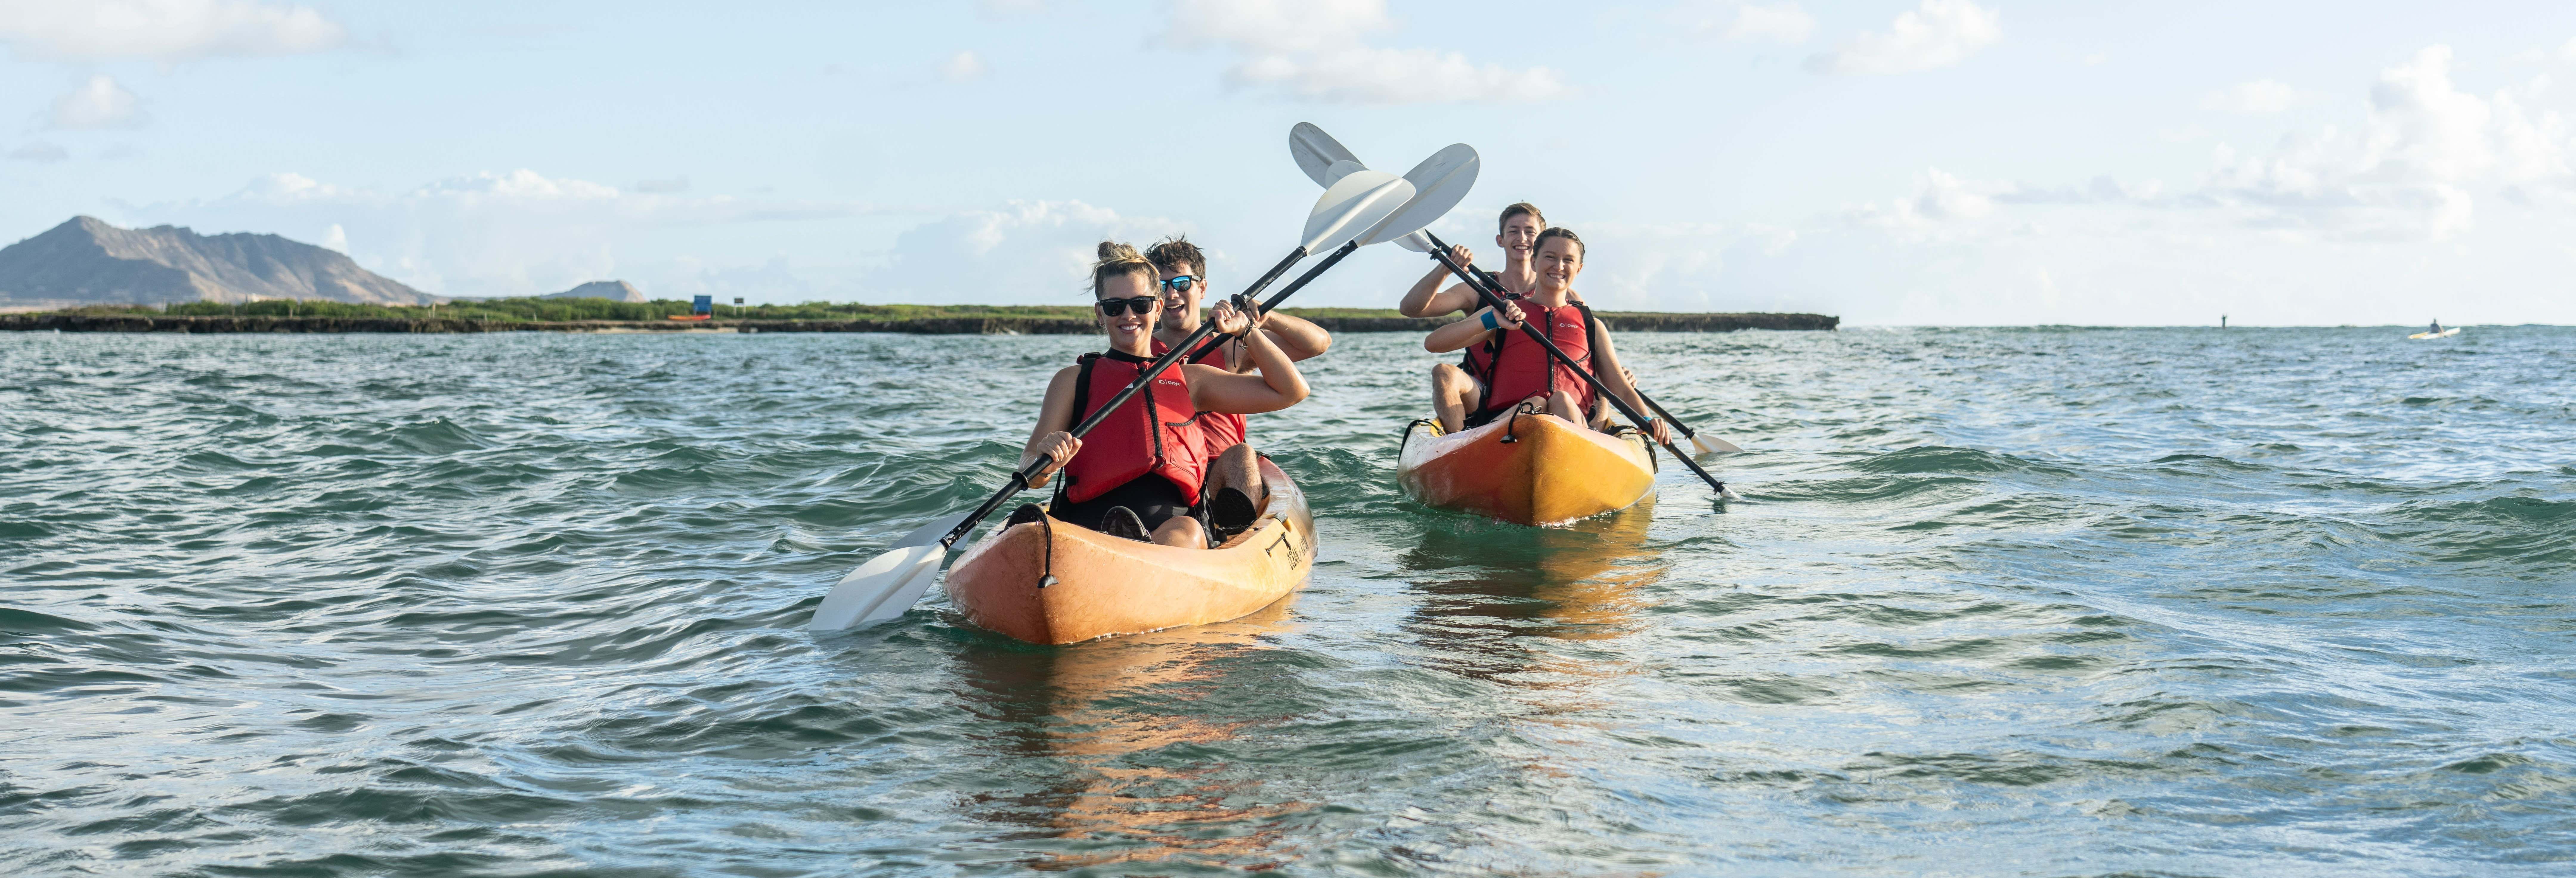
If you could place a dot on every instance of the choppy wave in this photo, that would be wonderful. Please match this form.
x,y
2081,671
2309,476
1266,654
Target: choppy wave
x,y
2028,601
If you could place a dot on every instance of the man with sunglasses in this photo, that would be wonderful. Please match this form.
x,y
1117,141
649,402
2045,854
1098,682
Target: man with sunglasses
x,y
1232,464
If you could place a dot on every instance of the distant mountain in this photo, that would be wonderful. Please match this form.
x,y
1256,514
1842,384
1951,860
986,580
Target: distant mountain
x,y
88,262
612,290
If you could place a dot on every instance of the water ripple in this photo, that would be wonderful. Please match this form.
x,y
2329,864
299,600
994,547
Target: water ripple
x,y
2028,601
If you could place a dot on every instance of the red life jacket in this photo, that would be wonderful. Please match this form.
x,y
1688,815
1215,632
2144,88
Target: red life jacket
x,y
1154,433
1219,430
1516,368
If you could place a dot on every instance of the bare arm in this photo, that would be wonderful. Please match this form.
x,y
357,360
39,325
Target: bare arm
x,y
1605,364
1472,330
1296,336
1417,301
1277,386
1055,419
1427,299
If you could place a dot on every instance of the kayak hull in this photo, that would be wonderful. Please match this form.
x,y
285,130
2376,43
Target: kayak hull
x,y
2447,333
1552,472
1105,585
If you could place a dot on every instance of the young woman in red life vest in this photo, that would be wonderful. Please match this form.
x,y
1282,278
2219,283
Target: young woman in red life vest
x,y
1234,489
1518,370
1462,384
1140,472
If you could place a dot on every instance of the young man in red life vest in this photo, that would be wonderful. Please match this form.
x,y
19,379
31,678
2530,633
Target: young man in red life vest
x,y
1139,474
1518,370
1234,488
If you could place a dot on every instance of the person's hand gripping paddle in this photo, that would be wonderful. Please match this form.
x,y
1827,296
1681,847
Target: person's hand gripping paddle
x,y
888,584
1325,161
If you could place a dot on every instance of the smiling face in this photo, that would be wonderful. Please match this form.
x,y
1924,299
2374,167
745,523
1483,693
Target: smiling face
x,y
1128,330
1557,262
1181,310
1519,234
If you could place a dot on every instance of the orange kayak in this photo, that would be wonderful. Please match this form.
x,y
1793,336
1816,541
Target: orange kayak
x,y
1105,585
1548,472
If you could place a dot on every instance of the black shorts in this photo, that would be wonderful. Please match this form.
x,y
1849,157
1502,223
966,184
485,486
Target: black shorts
x,y
1155,499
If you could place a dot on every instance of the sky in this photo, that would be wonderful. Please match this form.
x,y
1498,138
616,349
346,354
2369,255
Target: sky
x,y
1906,162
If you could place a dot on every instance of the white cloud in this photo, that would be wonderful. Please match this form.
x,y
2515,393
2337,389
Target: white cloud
x,y
1938,34
1317,50
162,30
1363,75
2408,174
38,151
961,67
1269,27
1737,20
1939,197
487,234
1026,251
1785,23
97,103
2261,97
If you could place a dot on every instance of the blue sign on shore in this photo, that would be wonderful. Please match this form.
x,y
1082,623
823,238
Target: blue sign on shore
x,y
703,305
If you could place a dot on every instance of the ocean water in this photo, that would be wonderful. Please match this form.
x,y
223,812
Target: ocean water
x,y
1999,602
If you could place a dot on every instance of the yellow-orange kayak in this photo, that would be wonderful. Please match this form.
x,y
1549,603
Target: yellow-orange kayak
x,y
1104,585
1547,472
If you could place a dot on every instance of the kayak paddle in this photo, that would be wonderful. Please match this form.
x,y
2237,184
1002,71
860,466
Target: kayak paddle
x,y
1326,161
1439,183
888,584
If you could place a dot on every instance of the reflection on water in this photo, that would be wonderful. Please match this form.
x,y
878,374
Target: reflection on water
x,y
1109,738
1486,587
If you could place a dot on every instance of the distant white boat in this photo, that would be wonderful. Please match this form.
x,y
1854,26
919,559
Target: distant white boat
x,y
2447,333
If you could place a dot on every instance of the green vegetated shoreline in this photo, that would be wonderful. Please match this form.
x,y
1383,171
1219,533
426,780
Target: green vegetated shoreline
x,y
603,315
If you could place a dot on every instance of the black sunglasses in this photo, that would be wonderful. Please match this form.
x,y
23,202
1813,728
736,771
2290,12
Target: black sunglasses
x,y
1138,305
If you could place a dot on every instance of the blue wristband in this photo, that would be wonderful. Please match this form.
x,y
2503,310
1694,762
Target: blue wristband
x,y
1489,321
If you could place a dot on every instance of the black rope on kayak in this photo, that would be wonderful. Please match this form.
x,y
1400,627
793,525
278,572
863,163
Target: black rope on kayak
x,y
1514,420
1046,568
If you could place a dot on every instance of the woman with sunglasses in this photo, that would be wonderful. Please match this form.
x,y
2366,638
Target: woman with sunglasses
x,y
1234,488
1140,473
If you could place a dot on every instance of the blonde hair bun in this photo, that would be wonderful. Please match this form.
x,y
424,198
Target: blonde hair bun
x,y
1117,259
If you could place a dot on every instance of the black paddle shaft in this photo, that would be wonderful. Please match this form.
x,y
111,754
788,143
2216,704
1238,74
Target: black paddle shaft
x,y
1495,302
1021,479
1293,286
1487,280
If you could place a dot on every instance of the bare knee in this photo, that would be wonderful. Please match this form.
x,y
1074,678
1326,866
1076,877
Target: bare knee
x,y
1445,377
1238,455
1182,531
1237,467
1562,404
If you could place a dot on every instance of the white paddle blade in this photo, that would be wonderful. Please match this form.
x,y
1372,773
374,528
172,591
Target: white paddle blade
x,y
1339,170
1708,444
1727,492
933,532
1353,206
1439,183
1416,242
1316,151
881,589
